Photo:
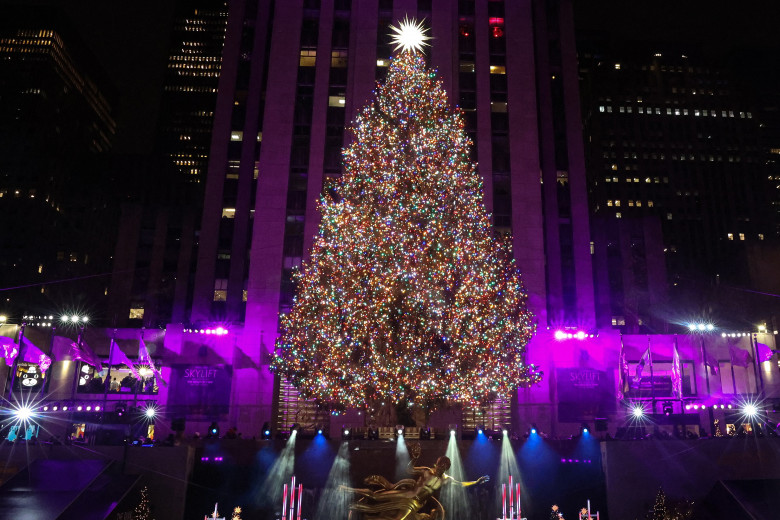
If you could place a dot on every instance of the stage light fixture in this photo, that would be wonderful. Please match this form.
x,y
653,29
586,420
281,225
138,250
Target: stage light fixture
x,y
638,411
668,408
750,410
150,412
266,431
346,433
23,413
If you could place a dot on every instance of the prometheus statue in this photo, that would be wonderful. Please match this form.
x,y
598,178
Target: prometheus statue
x,y
407,499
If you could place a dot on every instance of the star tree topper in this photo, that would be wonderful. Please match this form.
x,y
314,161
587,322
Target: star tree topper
x,y
409,36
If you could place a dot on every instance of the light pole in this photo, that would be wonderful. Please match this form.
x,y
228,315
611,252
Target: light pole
x,y
80,322
700,329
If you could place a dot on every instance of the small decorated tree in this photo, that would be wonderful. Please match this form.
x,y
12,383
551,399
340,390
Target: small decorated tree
x,y
143,511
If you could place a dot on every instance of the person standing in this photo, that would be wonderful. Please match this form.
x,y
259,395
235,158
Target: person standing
x,y
555,513
584,514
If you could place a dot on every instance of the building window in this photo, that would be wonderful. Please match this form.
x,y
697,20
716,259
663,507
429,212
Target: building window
x,y
668,216
236,135
336,101
501,69
649,203
618,215
499,107
338,59
761,236
220,290
137,313
609,203
308,57
228,212
617,66
742,236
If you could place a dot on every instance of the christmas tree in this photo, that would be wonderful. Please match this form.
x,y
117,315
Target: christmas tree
x,y
143,511
407,296
659,508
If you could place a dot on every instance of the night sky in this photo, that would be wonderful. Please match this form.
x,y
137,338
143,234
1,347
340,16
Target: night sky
x,y
130,40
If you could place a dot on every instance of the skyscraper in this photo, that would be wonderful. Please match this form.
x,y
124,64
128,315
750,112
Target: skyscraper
x,y
55,120
675,140
157,237
294,75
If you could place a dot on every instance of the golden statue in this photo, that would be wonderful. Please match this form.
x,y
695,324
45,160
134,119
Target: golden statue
x,y
405,499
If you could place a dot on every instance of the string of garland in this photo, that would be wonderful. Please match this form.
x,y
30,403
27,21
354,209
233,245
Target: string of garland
x,y
407,296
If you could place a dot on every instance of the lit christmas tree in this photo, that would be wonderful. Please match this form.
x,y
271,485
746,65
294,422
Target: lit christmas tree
x,y
407,296
143,511
659,508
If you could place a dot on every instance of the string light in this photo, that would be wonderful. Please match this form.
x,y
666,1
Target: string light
x,y
407,295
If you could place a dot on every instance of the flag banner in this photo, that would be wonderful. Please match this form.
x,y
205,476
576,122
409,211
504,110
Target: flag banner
x,y
32,354
739,357
641,365
145,358
676,373
710,361
763,352
117,357
65,349
9,349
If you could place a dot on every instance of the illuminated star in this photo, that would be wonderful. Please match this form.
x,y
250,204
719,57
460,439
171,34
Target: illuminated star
x,y
409,36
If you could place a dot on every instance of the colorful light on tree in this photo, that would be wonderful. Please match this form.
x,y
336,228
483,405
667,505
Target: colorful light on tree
x,y
407,294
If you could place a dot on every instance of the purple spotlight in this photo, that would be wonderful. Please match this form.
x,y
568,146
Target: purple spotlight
x,y
204,459
687,407
560,335
696,407
563,461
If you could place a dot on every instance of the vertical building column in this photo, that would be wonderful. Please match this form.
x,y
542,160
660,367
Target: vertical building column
x,y
577,175
121,287
265,272
362,57
208,242
318,125
154,283
482,71
527,212
549,172
254,98
444,49
183,268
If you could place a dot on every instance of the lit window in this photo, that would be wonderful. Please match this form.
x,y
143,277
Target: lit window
x,y
614,166
628,179
617,203
499,107
668,111
618,215
641,110
658,111
742,236
614,179
308,57
685,111
668,216
639,204
761,236
338,59
74,257
622,110
40,268
617,66
501,69
649,203
382,63
601,108
635,178
609,109
593,248
466,66
705,112
336,101
647,180
631,203
236,135
220,289
136,314
228,212
244,295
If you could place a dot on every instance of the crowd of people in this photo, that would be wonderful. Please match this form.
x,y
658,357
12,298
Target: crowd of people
x,y
556,514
